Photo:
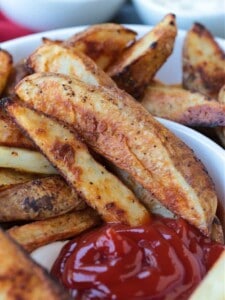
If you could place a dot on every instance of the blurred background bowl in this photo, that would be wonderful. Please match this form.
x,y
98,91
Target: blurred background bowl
x,y
209,13
42,15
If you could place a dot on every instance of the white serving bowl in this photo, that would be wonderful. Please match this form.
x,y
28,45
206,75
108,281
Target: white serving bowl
x,y
152,11
212,155
42,15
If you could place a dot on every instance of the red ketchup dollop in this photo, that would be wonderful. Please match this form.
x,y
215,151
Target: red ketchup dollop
x,y
163,260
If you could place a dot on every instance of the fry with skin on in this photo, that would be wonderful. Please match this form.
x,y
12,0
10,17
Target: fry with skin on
x,y
220,131
103,43
12,176
59,59
6,64
139,63
21,278
203,62
25,160
38,199
99,188
182,106
36,234
11,135
119,128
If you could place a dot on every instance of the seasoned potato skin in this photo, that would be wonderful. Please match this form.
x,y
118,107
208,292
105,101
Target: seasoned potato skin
x,y
21,278
37,199
119,128
203,62
6,64
39,233
183,106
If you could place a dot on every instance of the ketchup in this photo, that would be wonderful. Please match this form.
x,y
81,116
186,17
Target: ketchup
x,y
163,260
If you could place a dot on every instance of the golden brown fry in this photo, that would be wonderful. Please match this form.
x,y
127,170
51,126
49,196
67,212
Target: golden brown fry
x,y
10,135
18,72
11,176
33,235
203,62
21,278
139,63
25,160
120,129
183,106
103,43
99,188
217,231
220,131
6,63
37,199
150,202
58,59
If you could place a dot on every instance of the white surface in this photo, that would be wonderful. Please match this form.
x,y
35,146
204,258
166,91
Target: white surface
x,y
152,11
51,14
212,155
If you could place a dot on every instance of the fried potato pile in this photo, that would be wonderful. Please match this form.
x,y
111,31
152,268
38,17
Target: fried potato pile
x,y
79,143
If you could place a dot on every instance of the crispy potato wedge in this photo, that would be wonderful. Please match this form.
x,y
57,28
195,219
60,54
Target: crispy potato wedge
x,y
212,286
6,64
220,131
99,188
18,72
38,199
21,278
203,62
139,63
120,129
59,59
183,106
11,176
36,234
103,43
150,202
217,231
25,160
10,135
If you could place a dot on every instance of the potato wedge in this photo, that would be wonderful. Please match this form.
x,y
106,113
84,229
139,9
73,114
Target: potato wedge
x,y
18,72
38,199
59,59
119,128
21,278
217,231
11,176
150,202
99,188
25,160
6,63
183,106
10,135
103,43
139,63
203,62
36,234
220,131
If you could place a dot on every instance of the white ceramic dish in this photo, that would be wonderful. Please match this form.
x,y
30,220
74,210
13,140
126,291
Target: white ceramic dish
x,y
212,155
209,13
51,14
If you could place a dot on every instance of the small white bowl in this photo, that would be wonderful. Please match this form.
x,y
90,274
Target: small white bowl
x,y
42,15
211,14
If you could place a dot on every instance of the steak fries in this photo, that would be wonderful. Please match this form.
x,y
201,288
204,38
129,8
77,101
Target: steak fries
x,y
117,127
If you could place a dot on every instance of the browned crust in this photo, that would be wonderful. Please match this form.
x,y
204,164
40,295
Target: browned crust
x,y
103,43
139,63
183,106
11,135
125,133
39,233
203,62
37,199
21,278
6,64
